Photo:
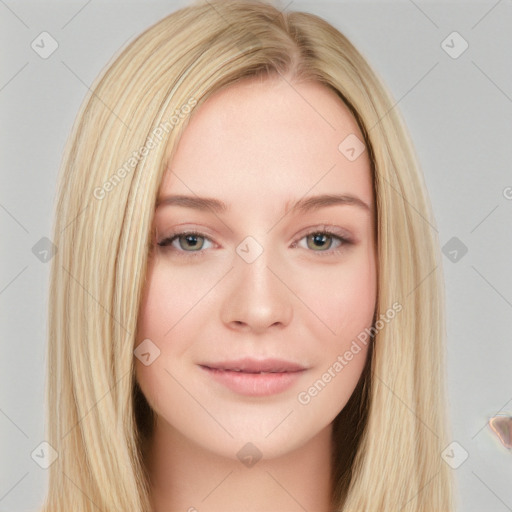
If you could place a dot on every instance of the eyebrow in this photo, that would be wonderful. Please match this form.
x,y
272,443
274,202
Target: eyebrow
x,y
303,205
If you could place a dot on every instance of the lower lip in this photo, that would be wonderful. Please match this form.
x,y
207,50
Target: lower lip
x,y
254,384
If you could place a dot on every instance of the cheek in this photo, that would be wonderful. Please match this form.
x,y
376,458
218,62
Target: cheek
x,y
161,310
346,306
162,318
168,297
342,297
344,300
170,303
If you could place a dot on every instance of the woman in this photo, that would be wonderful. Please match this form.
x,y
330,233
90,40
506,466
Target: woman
x,y
246,302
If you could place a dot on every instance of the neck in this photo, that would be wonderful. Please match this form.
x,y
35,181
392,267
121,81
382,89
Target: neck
x,y
187,478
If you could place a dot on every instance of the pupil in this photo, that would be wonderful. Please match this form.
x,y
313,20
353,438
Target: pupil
x,y
191,240
319,239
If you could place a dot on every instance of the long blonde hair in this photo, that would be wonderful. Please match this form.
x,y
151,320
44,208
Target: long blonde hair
x,y
390,436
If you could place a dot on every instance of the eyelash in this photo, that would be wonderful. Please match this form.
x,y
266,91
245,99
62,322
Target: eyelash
x,y
167,241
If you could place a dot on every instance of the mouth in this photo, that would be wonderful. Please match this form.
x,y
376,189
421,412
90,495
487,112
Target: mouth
x,y
253,377
255,366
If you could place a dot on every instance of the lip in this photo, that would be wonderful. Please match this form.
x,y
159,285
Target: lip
x,y
253,377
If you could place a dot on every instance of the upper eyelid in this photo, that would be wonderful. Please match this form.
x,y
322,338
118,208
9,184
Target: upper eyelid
x,y
334,229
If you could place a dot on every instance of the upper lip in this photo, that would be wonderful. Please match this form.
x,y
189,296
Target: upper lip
x,y
249,365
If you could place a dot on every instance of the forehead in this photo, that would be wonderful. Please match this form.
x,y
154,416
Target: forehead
x,y
269,137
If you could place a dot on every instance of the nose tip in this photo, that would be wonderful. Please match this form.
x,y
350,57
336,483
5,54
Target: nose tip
x,y
256,299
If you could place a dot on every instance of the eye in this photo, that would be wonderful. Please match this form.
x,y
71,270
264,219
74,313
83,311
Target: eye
x,y
189,241
324,241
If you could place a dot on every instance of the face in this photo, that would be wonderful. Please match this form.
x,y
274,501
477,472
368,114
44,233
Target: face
x,y
263,273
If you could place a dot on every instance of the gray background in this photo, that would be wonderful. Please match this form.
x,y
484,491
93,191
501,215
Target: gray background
x,y
458,110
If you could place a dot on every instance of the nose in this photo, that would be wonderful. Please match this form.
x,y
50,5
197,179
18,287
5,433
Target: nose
x,y
257,298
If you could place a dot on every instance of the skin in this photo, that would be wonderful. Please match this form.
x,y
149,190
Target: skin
x,y
258,146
